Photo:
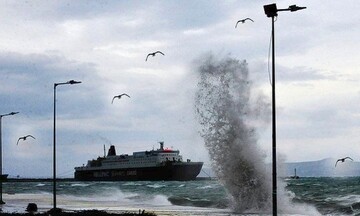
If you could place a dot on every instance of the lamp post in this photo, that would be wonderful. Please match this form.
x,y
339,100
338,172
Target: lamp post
x,y
71,82
1,173
271,11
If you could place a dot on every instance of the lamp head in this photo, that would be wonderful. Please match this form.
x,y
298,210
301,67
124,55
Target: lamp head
x,y
13,113
293,8
74,82
270,10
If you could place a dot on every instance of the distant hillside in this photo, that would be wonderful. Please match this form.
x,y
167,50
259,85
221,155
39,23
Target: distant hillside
x,y
325,167
320,168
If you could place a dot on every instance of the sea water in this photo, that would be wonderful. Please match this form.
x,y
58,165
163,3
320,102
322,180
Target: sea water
x,y
330,196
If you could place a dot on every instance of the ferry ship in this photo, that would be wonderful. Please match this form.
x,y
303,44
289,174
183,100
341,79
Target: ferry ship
x,y
155,165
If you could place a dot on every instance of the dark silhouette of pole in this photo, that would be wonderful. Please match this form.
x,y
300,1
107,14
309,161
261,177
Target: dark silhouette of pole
x,y
71,82
1,172
274,181
271,11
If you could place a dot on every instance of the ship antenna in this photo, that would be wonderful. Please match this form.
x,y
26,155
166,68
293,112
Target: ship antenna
x,y
104,151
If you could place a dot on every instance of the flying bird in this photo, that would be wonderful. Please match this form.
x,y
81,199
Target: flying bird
x,y
243,21
343,160
119,96
153,54
24,138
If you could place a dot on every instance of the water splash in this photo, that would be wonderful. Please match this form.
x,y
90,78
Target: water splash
x,y
229,111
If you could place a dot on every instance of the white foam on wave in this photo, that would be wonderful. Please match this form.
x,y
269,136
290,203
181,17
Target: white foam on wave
x,y
111,199
132,184
155,185
346,200
79,185
116,197
205,187
117,202
286,206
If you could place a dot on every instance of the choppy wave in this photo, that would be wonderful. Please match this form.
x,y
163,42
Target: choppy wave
x,y
330,196
186,201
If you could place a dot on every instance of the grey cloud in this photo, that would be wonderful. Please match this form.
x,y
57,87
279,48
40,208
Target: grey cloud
x,y
328,119
64,10
27,83
299,74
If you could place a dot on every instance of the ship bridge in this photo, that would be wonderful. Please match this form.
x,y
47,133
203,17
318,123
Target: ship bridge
x,y
162,154
165,155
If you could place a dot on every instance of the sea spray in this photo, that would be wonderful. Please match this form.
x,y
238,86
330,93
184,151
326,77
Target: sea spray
x,y
228,110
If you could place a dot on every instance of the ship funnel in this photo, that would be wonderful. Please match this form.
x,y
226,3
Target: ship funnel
x,y
111,151
161,145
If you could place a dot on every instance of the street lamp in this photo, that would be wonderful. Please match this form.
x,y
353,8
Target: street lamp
x,y
71,82
271,11
2,177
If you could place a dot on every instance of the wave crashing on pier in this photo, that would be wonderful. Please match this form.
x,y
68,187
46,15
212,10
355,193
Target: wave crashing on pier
x,y
229,110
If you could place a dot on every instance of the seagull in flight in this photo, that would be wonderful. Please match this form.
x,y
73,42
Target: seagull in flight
x,y
243,21
119,96
153,54
343,160
24,138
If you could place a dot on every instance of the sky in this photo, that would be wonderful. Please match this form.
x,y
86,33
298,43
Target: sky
x,y
104,44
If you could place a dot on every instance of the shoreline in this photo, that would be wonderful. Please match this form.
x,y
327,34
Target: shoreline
x,y
112,197
93,212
